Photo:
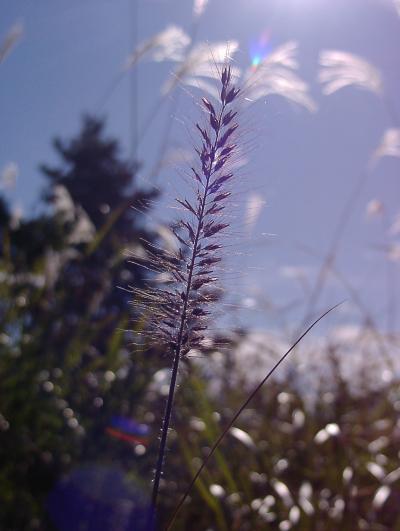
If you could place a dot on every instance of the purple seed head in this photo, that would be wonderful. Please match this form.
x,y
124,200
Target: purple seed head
x,y
180,309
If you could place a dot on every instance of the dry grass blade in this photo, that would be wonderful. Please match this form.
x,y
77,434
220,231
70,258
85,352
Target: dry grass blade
x,y
197,65
8,176
254,205
83,229
198,7
342,69
395,226
11,39
390,144
238,413
276,75
168,45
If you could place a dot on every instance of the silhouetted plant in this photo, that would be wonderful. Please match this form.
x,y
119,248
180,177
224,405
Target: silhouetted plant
x,y
65,366
181,310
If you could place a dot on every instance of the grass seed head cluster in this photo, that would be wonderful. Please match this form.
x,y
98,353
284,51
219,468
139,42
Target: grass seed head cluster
x,y
181,308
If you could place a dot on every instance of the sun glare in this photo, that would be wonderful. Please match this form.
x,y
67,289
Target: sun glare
x,y
259,49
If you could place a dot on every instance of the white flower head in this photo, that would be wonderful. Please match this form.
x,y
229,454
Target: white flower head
x,y
381,495
199,7
205,60
376,470
217,491
17,214
168,45
342,69
242,436
395,227
276,75
390,144
9,175
254,205
282,490
374,208
83,229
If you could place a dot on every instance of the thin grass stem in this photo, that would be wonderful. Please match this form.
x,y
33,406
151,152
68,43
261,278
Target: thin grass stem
x,y
239,412
183,306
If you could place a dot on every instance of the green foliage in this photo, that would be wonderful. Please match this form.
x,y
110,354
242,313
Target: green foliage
x,y
293,465
65,366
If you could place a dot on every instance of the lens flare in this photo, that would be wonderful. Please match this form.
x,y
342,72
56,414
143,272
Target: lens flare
x,y
128,430
259,49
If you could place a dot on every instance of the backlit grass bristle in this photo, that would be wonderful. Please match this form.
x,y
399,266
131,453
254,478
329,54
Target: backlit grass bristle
x,y
180,310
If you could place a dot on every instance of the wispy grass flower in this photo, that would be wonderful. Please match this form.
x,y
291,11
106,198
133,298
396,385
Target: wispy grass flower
x,y
395,226
193,64
181,309
199,7
168,45
276,74
343,69
197,70
390,144
10,40
8,176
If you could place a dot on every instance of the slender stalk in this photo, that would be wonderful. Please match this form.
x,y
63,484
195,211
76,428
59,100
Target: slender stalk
x,y
344,219
183,318
163,441
329,259
238,413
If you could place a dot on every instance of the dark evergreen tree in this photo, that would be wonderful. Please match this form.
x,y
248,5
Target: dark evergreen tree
x,y
104,186
65,362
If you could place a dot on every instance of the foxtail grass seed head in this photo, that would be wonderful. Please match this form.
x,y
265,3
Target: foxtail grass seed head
x,y
180,309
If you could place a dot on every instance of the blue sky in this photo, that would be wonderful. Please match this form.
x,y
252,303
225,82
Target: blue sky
x,y
303,165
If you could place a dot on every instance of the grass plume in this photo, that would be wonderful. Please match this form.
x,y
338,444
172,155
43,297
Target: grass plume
x,y
180,311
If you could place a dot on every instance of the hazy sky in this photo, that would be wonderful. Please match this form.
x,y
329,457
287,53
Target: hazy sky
x,y
302,164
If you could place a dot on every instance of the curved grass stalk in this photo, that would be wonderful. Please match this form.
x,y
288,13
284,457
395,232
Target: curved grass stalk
x,y
180,313
238,413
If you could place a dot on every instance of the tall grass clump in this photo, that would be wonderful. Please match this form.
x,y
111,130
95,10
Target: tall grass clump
x,y
181,309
